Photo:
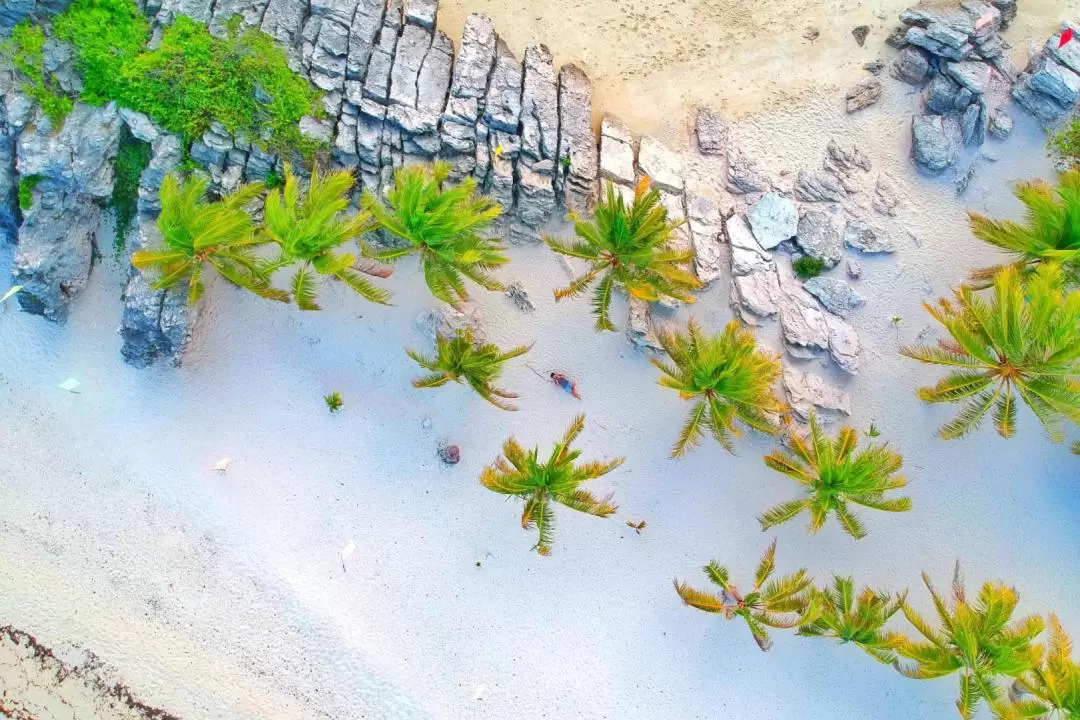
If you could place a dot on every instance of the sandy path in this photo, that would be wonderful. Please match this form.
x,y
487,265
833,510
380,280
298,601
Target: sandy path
x,y
651,59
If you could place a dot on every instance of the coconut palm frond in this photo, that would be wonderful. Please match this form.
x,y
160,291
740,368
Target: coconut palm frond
x,y
463,358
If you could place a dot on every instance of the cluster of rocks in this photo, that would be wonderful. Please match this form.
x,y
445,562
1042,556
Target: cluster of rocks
x,y
1049,88
960,57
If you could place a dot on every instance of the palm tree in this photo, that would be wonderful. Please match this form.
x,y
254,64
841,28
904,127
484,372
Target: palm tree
x,y
781,603
731,380
310,232
464,358
631,248
444,226
521,474
975,639
1051,691
1023,342
859,619
1051,233
834,475
196,233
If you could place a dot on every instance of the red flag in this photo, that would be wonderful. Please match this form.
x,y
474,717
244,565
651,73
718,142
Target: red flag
x,y
1065,37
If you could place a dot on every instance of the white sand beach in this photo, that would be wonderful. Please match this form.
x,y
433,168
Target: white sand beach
x,y
223,596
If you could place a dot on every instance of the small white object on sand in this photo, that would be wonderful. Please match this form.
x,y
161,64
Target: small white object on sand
x,y
71,385
478,694
349,549
222,465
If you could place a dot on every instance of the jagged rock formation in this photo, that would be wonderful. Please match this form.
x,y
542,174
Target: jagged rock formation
x,y
74,176
9,203
808,393
1049,88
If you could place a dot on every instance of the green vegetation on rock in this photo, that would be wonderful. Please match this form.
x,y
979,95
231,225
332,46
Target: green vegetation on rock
x,y
1065,144
807,267
24,52
131,159
463,358
26,190
107,36
628,246
523,475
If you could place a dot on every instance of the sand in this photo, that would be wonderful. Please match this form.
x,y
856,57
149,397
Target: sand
x,y
651,60
223,596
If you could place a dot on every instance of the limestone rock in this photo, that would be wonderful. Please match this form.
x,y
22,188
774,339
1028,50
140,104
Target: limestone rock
x,y
705,220
1067,54
944,95
973,125
886,196
756,294
860,236
283,20
639,329
79,157
854,268
842,158
865,93
662,166
819,186
536,197
140,126
808,393
936,142
774,219
746,254
1039,104
818,236
616,151
711,131
836,295
1055,80
941,40
972,74
468,88
421,12
844,347
577,171
743,174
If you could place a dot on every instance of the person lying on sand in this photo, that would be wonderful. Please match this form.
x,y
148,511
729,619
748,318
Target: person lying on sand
x,y
565,383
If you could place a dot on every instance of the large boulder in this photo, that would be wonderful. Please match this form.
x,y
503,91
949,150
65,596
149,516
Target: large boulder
x,y
936,142
577,170
744,175
711,131
663,166
746,254
819,237
616,152
912,67
705,220
836,295
860,235
774,219
808,393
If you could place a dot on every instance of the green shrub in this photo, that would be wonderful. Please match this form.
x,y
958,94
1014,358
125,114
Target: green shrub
x,y
26,190
23,51
131,160
107,35
1065,145
807,267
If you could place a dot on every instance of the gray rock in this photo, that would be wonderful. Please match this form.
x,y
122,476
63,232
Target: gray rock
x,y
616,151
747,255
819,186
897,39
973,125
155,324
711,131
250,12
321,131
503,102
874,67
1007,8
77,159
9,216
972,74
705,221
844,346
517,294
329,55
140,126
757,294
941,41
664,167
886,197
860,34
941,95
1001,124
283,20
808,393
964,179
446,321
802,325
13,12
912,66
860,236
577,170
843,158
376,85
1069,53
468,88
1039,104
743,173
364,28
197,10
535,197
639,328
853,268
818,236
539,108
774,219
936,142
167,154
422,12
412,46
865,93
836,295
1059,82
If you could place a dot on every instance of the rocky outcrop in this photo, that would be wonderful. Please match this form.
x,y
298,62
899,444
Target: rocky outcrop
x,y
1049,87
639,327
808,393
618,155
498,142
774,219
74,173
819,237
705,221
835,295
808,330
577,171
155,324
936,142
860,235
711,131
536,199
468,90
744,175
9,204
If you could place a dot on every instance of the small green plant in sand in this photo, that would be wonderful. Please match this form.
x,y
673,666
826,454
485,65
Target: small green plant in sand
x,y
131,159
445,226
333,401
979,640
197,233
807,267
837,612
727,377
23,52
771,603
835,473
1049,691
310,229
627,246
1021,344
1050,232
1065,144
464,359
522,474
27,183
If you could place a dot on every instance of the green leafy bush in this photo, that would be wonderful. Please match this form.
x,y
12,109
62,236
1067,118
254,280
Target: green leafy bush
x,y
1065,145
26,190
107,35
131,160
23,51
807,267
